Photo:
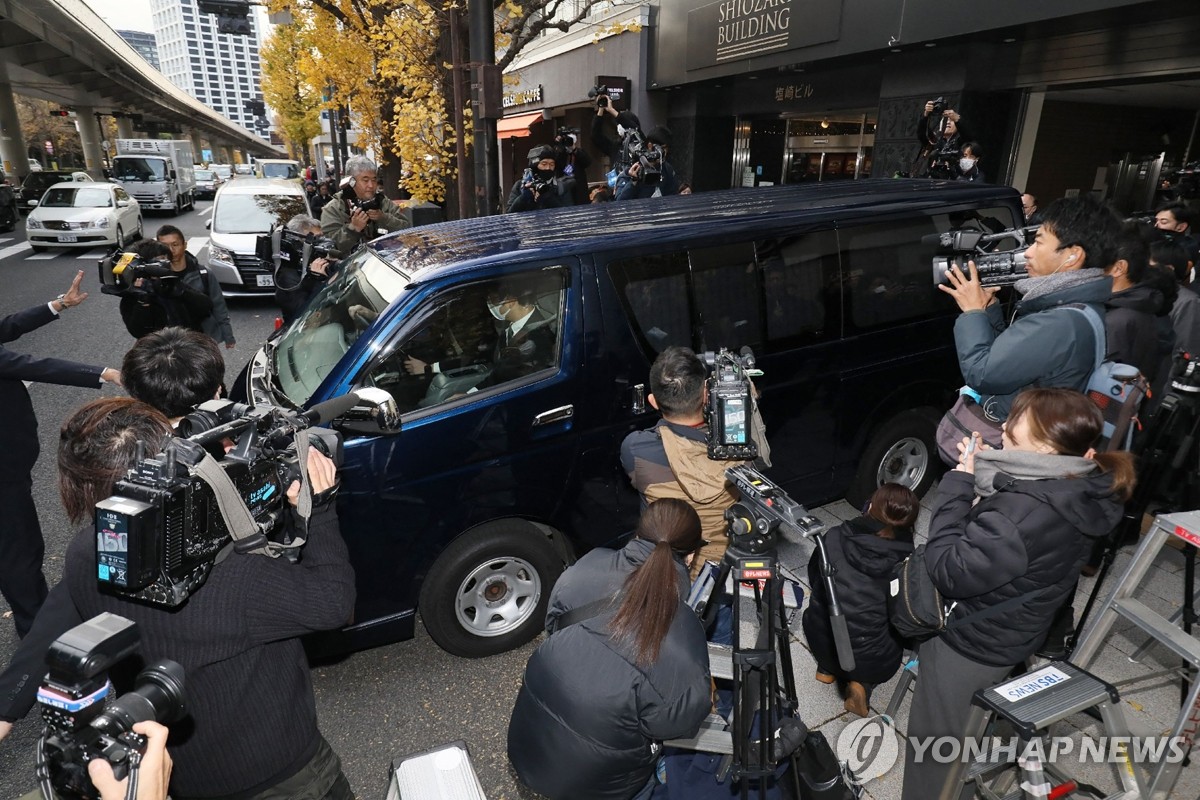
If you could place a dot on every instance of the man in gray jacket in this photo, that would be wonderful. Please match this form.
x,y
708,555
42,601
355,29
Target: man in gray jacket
x,y
217,325
359,212
1043,345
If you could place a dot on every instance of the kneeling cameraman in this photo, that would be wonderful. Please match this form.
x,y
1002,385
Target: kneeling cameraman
x,y
251,729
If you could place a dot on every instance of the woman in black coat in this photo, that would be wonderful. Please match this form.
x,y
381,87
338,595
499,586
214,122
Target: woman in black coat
x,y
625,667
1010,526
863,553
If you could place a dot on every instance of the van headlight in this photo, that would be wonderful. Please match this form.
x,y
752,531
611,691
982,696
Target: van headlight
x,y
218,253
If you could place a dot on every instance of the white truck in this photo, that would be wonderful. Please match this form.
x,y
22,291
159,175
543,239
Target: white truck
x,y
157,172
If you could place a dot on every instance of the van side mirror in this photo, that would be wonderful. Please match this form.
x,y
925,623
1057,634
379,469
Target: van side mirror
x,y
375,412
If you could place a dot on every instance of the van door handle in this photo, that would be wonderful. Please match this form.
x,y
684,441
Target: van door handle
x,y
554,415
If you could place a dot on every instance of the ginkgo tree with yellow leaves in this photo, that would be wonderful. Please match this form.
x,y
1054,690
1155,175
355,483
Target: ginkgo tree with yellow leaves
x,y
297,104
389,61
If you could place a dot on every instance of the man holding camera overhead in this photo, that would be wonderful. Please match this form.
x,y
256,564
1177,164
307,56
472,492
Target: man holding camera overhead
x,y
942,135
360,212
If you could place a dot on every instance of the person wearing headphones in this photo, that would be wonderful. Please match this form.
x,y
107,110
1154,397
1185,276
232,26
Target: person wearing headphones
x,y
1043,345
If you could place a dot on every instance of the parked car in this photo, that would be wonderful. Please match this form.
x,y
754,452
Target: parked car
x,y
207,183
223,171
35,165
495,483
36,184
243,170
79,214
243,210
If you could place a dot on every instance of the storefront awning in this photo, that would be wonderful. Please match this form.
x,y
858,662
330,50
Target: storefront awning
x,y
511,127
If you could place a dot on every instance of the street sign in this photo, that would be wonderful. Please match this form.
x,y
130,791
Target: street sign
x,y
49,147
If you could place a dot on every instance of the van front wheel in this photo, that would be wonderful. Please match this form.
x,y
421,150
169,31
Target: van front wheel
x,y
902,450
488,592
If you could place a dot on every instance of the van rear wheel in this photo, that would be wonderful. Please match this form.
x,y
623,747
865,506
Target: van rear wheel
x,y
902,450
488,592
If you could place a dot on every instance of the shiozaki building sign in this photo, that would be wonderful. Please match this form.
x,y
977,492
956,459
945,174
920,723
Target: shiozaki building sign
x,y
733,30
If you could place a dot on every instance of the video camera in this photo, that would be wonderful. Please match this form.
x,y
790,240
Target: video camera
x,y
727,413
83,721
158,535
566,137
636,148
282,247
1002,268
120,271
600,95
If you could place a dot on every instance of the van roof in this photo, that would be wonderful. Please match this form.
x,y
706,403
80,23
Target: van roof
x,y
592,227
262,186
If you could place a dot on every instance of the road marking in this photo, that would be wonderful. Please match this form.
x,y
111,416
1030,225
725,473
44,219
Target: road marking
x,y
204,211
13,249
5,239
88,255
196,244
42,256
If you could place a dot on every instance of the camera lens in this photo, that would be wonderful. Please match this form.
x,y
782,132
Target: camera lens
x,y
158,697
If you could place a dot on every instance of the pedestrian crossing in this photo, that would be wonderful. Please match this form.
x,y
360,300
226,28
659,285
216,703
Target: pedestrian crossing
x,y
195,246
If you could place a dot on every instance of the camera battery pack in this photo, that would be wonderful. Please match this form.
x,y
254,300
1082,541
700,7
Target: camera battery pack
x,y
126,542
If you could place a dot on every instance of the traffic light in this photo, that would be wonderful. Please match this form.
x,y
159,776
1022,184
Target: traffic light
x,y
60,112
256,108
232,15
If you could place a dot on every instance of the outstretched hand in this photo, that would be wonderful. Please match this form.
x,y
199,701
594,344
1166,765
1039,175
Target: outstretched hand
x,y
74,296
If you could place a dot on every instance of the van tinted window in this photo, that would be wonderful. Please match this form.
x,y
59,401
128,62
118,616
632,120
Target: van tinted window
x,y
727,296
802,289
654,289
888,268
458,347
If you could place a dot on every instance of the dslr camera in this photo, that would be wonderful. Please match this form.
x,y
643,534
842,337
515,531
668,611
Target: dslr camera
x,y
1002,268
84,720
159,534
600,95
370,204
119,272
729,405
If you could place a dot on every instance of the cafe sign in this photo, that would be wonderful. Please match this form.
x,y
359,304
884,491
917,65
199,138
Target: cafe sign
x,y
736,30
523,97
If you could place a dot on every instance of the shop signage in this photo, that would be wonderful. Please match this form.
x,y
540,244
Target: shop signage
x,y
523,97
618,89
736,30
793,91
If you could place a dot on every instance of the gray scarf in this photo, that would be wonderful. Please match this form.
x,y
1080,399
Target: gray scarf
x,y
1031,288
1026,466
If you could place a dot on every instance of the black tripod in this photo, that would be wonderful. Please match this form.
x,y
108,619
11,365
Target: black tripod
x,y
1168,475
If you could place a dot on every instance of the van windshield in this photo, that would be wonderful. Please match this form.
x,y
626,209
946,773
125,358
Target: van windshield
x,y
139,170
284,170
362,289
255,213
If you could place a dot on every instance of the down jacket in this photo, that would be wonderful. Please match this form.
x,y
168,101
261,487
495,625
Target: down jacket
x,y
863,564
1028,539
1132,330
1043,347
587,717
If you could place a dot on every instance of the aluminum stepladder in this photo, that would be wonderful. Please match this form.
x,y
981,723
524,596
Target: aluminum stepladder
x,y
1031,703
1120,603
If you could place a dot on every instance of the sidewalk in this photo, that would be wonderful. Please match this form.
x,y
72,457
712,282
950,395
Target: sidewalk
x,y
1150,708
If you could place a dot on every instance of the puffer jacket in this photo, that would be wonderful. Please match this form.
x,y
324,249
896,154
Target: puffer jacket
x,y
1044,346
863,564
1132,329
1029,539
587,716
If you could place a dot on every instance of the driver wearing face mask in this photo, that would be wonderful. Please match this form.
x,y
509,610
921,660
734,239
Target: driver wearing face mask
x,y
541,186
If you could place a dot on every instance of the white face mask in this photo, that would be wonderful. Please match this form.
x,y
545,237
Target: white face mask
x,y
495,309
966,164
620,130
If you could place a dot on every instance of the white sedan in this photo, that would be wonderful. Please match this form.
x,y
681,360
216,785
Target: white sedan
x,y
79,214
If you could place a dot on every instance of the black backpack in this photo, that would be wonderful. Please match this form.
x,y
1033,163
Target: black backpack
x,y
917,609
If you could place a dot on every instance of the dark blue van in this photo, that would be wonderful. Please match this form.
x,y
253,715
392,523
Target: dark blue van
x,y
507,468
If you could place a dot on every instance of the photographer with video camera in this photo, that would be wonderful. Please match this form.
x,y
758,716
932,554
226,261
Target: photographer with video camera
x,y
573,162
251,729
648,173
191,274
1044,344
162,299
360,212
941,135
540,186
671,459
624,668
296,283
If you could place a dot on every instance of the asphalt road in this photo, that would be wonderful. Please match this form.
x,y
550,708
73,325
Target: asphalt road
x,y
374,705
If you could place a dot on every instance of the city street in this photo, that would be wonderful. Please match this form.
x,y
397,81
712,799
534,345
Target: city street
x,y
411,696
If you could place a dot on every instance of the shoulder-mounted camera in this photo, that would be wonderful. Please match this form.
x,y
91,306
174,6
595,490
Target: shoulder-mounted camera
x,y
727,412
119,273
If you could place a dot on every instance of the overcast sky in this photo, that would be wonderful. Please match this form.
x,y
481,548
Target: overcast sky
x,y
124,15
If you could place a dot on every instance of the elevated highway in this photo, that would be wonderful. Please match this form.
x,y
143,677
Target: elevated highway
x,y
62,51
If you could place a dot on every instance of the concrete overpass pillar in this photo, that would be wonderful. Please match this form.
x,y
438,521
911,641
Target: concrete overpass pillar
x,y
89,134
125,128
12,142
228,153
197,146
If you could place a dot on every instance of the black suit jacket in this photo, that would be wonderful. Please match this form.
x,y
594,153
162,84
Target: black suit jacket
x,y
530,350
18,425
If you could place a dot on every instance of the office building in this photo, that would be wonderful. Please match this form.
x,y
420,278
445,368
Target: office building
x,y
144,43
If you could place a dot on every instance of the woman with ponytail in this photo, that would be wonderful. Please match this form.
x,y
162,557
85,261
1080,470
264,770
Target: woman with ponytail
x,y
1010,530
625,667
